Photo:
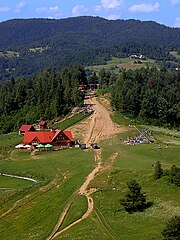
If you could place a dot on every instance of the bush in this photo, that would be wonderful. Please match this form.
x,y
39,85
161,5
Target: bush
x,y
172,229
175,175
158,171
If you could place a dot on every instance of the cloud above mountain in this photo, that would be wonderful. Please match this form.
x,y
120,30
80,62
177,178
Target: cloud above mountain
x,y
78,10
20,6
144,7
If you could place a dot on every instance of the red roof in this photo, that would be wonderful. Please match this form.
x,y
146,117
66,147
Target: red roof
x,y
26,128
42,123
45,137
69,135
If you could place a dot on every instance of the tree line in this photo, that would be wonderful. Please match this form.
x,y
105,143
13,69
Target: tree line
x,y
48,95
149,95
62,52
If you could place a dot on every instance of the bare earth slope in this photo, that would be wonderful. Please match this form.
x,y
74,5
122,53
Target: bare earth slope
x,y
97,127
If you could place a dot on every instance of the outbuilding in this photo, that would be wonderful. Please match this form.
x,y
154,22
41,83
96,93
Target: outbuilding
x,y
26,128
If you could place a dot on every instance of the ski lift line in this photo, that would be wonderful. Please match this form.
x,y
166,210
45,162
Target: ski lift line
x,y
142,133
14,176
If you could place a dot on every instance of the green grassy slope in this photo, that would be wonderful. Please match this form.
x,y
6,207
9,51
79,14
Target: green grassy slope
x,y
132,162
39,207
116,64
31,212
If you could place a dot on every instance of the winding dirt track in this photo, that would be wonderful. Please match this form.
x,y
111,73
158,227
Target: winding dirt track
x,y
97,127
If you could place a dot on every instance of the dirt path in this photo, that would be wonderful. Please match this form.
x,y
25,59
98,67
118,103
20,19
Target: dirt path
x,y
82,191
97,127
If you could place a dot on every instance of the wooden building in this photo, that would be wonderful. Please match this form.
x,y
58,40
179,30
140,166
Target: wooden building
x,y
56,138
26,128
42,125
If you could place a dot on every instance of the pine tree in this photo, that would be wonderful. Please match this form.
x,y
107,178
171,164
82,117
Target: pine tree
x,y
134,199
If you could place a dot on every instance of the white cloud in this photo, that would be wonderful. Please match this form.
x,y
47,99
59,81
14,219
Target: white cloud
x,y
54,11
113,17
177,22
175,1
20,5
111,3
78,10
4,9
145,7
109,9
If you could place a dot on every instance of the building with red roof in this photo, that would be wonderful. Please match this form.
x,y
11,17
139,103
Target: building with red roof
x,y
26,128
43,125
56,137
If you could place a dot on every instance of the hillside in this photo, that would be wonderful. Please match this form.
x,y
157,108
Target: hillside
x,y
99,31
29,45
78,191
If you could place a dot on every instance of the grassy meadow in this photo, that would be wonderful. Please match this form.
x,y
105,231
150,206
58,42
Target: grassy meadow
x,y
70,121
37,208
14,183
10,139
116,64
31,211
9,54
175,54
109,220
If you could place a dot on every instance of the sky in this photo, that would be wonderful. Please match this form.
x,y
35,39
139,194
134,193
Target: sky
x,y
165,12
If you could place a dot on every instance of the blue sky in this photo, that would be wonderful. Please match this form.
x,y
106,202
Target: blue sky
x,y
166,12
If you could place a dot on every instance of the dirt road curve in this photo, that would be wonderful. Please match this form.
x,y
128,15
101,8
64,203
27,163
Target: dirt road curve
x,y
97,127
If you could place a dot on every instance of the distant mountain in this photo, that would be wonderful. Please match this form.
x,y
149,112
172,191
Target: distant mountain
x,y
28,45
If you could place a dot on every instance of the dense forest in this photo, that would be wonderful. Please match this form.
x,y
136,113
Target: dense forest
x,y
31,63
96,30
46,96
148,95
27,46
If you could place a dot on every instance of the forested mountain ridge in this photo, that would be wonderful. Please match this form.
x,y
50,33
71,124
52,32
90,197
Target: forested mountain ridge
x,y
30,45
20,32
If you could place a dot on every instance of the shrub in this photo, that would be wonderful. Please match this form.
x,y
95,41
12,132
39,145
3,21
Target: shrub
x,y
175,175
158,171
172,229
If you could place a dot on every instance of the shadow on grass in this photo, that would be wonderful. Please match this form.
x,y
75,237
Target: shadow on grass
x,y
136,208
141,208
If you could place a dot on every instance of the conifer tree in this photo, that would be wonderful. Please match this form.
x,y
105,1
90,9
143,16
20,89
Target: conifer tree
x,y
134,199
